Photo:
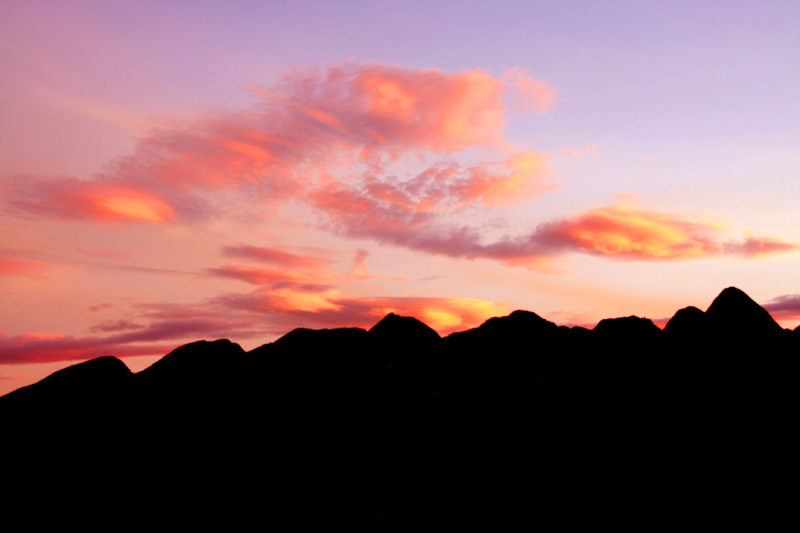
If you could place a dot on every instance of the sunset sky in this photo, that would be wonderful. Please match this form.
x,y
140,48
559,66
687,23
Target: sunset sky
x,y
184,170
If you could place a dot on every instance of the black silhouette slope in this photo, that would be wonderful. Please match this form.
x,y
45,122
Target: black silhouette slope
x,y
735,313
397,423
522,344
194,363
686,324
322,351
91,385
406,344
394,329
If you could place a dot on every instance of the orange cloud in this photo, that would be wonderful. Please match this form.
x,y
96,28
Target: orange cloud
x,y
445,315
334,308
124,204
89,200
389,99
527,176
626,230
623,231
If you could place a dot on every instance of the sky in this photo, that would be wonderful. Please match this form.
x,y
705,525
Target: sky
x,y
184,170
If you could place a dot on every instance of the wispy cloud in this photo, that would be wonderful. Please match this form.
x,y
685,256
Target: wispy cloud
x,y
97,200
358,270
273,256
785,307
20,266
630,232
44,348
622,231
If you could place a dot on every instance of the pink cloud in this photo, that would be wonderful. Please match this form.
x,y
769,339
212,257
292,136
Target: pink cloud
x,y
105,254
169,327
313,127
358,270
526,176
45,348
755,247
623,231
287,270
274,256
393,106
110,326
389,209
528,93
370,147
258,275
20,266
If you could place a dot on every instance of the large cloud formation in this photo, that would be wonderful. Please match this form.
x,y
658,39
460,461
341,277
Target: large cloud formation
x,y
318,130
380,152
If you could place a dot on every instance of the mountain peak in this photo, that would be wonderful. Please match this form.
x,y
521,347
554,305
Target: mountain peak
x,y
404,329
86,381
733,310
626,325
523,322
199,357
688,321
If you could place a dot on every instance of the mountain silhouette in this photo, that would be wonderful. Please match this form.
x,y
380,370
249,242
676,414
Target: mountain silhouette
x,y
734,312
686,323
397,424
87,385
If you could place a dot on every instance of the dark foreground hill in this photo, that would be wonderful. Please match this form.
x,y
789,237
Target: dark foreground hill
x,y
398,424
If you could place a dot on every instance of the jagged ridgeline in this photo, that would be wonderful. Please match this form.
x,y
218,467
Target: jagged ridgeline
x,y
398,404
734,336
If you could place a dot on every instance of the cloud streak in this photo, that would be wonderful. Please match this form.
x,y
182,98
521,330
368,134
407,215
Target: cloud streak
x,y
784,308
623,232
20,266
273,256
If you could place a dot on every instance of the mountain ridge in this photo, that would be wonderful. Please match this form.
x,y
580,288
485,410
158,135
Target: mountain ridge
x,y
732,311
397,424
